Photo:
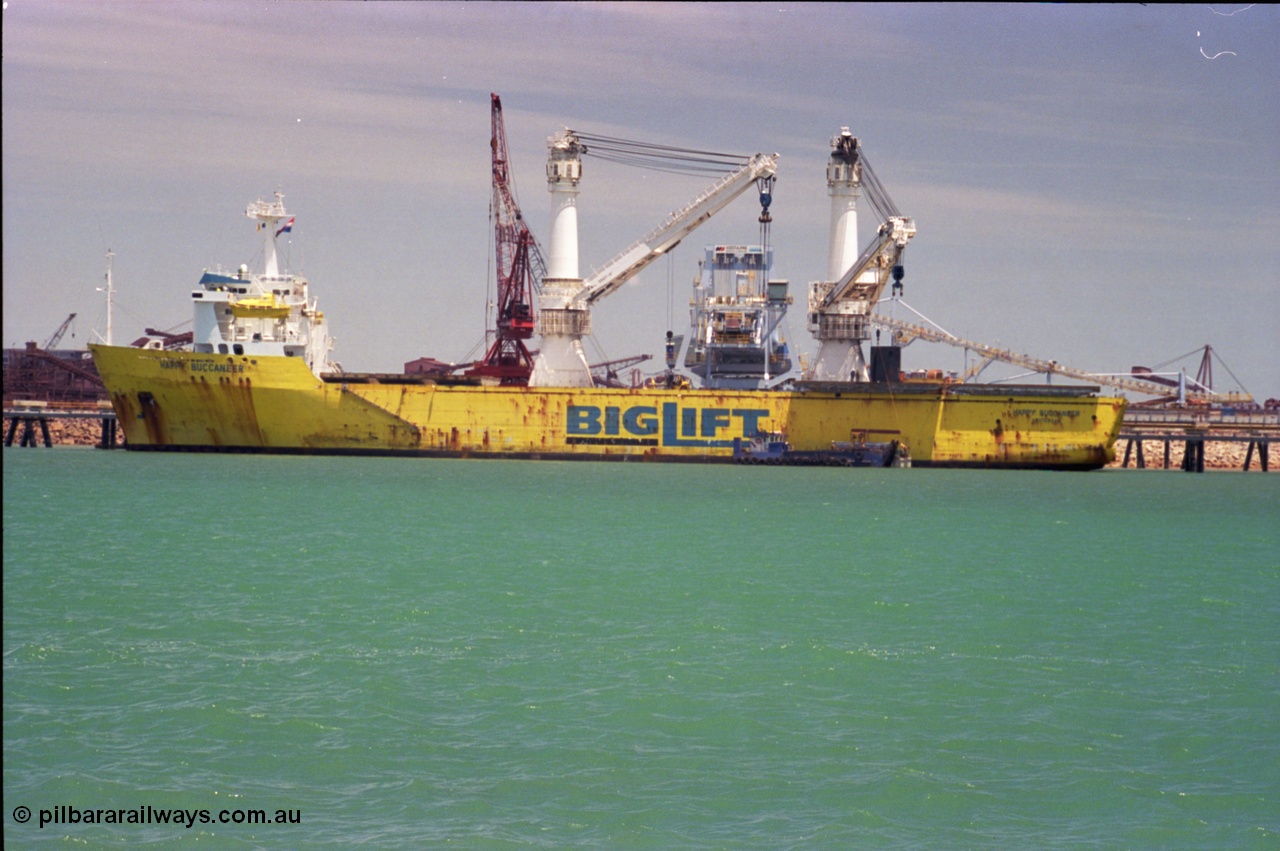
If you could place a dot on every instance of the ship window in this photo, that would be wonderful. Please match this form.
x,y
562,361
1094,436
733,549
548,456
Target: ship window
x,y
222,348
238,349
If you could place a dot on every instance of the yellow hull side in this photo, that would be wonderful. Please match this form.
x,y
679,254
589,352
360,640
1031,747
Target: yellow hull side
x,y
184,400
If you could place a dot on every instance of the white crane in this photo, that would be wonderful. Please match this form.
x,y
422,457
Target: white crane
x,y
840,307
566,299
840,312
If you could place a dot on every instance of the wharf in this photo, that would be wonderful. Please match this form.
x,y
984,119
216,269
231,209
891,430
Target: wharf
x,y
31,414
1194,429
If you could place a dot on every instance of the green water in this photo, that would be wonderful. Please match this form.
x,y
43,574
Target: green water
x,y
492,655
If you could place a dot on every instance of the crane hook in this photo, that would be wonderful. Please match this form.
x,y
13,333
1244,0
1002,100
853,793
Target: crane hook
x,y
765,185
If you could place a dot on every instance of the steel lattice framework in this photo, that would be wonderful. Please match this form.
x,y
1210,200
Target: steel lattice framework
x,y
520,268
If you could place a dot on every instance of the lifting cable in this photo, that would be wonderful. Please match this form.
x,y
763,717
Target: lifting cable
x,y
1199,350
876,194
1230,373
660,157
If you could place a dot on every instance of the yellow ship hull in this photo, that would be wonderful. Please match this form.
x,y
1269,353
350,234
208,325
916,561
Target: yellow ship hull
x,y
189,401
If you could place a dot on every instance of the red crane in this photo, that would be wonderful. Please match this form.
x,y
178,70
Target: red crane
x,y
520,270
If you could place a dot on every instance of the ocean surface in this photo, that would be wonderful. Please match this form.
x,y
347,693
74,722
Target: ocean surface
x,y
497,655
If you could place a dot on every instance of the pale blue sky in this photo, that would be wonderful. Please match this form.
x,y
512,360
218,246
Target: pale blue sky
x,y
1094,184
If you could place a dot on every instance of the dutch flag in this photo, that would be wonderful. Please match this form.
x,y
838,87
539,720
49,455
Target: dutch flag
x,y
288,228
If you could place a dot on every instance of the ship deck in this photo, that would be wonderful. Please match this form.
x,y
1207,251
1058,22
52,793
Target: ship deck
x,y
926,388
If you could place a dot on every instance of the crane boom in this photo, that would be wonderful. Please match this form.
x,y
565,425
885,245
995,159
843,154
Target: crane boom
x,y
840,311
679,224
866,279
520,269
58,335
506,210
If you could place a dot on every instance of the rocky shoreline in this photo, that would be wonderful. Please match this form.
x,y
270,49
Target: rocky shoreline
x,y
86,432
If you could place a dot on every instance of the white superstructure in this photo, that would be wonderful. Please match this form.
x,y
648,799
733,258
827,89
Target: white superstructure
x,y
267,313
736,314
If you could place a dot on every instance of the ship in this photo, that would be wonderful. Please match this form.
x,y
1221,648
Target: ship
x,y
766,448
258,375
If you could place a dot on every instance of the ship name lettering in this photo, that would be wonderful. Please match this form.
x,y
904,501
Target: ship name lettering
x,y
1044,413
172,363
678,426
213,366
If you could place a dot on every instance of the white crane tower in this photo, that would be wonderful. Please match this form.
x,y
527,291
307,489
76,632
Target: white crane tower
x,y
844,186
565,302
840,307
562,320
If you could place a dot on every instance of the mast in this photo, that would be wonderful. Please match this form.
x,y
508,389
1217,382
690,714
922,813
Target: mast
x,y
269,214
110,293
110,290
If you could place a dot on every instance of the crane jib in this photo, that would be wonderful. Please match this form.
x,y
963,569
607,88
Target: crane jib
x,y
676,227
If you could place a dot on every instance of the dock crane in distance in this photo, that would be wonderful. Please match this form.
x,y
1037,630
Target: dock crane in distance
x,y
168,339
606,373
57,336
520,268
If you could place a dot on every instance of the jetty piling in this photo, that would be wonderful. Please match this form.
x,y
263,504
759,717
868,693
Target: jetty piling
x,y
30,414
